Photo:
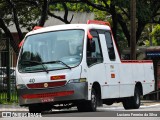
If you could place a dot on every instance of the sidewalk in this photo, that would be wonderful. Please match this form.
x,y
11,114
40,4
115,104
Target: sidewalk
x,y
16,107
149,102
13,107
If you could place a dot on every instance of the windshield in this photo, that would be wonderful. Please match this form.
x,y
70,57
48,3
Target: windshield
x,y
51,51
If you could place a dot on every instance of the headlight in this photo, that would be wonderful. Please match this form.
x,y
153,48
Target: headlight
x,y
77,80
21,86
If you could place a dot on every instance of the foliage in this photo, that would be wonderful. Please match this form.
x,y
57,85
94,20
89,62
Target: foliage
x,y
154,36
121,40
28,13
147,12
3,98
104,16
154,42
156,32
101,15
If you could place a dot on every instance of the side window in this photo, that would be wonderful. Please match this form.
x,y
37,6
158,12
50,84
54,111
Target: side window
x,y
94,52
110,46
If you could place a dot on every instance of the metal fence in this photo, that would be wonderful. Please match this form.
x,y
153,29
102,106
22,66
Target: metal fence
x,y
8,60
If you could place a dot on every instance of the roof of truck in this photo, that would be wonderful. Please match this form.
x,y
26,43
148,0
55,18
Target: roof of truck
x,y
69,26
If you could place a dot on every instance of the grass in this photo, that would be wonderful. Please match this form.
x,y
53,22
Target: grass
x,y
3,98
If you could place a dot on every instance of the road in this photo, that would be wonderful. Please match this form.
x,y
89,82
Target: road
x,y
147,111
106,111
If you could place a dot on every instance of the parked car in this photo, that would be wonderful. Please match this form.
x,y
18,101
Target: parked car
x,y
4,78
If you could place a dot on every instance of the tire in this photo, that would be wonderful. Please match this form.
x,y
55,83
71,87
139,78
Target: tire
x,y
89,106
92,106
136,100
133,102
82,106
34,109
127,103
38,108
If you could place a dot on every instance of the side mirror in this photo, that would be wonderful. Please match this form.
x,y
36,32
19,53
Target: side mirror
x,y
91,42
93,46
21,43
89,35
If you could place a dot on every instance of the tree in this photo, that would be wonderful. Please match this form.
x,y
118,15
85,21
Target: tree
x,y
65,17
156,32
26,14
13,12
155,36
147,11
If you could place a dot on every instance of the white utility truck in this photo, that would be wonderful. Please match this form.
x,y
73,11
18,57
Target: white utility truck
x,y
78,65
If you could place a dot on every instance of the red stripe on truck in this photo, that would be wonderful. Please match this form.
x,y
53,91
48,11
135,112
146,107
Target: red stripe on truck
x,y
43,95
46,84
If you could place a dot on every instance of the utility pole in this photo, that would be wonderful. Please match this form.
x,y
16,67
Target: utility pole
x,y
133,30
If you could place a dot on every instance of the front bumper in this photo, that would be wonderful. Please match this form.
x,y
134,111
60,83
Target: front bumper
x,y
80,92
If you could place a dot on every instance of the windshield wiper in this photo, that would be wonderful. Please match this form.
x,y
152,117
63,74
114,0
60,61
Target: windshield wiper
x,y
58,61
40,63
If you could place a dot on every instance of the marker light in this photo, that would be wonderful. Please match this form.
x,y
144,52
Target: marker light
x,y
58,77
21,86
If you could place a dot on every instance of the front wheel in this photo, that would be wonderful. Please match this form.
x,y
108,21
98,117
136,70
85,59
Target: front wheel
x,y
38,108
89,106
34,109
93,103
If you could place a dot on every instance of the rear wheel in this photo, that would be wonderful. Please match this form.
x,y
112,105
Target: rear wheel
x,y
127,103
89,106
136,101
133,102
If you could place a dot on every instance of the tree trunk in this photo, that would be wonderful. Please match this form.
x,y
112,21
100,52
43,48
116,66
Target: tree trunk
x,y
124,28
15,18
114,28
9,35
43,13
140,28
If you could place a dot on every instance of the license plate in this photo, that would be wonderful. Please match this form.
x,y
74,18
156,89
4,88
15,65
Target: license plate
x,y
47,100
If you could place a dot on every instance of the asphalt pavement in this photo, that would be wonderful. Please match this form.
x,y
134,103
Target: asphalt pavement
x,y
16,107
